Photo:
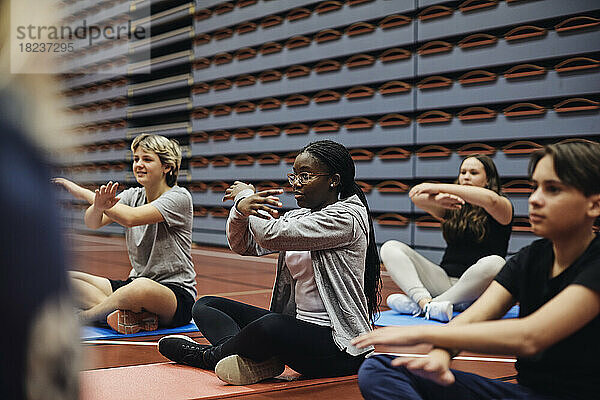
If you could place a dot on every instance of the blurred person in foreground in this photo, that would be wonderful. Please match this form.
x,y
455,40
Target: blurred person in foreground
x,y
40,336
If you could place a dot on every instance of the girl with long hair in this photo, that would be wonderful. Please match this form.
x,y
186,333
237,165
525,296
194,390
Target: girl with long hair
x,y
476,224
327,285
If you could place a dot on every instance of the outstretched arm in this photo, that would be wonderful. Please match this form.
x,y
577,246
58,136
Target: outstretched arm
x,y
106,202
499,207
559,318
436,365
76,191
436,204
128,216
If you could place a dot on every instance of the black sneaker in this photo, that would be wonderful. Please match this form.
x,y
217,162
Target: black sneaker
x,y
183,350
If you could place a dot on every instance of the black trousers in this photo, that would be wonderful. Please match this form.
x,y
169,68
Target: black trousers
x,y
258,334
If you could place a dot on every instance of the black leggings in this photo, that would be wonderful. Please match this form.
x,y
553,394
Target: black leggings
x,y
258,334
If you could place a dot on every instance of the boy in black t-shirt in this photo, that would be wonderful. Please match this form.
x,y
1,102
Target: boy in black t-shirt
x,y
556,280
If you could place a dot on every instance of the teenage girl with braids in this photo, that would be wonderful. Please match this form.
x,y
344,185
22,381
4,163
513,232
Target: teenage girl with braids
x,y
327,286
476,223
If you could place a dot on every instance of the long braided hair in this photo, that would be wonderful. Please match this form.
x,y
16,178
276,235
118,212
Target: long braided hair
x,y
339,161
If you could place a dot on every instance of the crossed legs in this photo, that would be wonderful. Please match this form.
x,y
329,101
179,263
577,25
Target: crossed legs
x,y
237,328
378,379
94,295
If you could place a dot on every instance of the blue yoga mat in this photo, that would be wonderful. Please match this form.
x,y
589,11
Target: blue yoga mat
x,y
392,318
96,333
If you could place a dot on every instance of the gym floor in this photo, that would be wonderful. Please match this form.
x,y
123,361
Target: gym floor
x,y
220,272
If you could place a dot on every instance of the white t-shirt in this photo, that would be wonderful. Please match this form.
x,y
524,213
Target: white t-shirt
x,y
309,305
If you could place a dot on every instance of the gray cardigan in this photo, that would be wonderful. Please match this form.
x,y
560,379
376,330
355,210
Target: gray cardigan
x,y
337,238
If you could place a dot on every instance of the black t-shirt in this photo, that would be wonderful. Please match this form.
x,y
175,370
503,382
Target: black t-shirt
x,y
570,367
465,251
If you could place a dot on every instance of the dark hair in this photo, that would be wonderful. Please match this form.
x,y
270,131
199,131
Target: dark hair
x,y
469,217
491,173
339,161
576,163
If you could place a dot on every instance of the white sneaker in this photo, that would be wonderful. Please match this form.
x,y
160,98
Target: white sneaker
x,y
403,304
439,310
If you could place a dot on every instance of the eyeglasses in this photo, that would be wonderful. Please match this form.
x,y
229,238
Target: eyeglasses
x,y
303,177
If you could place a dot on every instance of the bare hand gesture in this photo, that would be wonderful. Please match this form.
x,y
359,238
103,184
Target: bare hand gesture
x,y
236,188
106,196
442,199
423,188
435,366
449,201
260,204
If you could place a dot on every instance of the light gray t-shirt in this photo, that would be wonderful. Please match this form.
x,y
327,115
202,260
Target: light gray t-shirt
x,y
163,251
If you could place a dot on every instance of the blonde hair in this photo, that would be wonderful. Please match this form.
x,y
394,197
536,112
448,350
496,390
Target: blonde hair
x,y
167,150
